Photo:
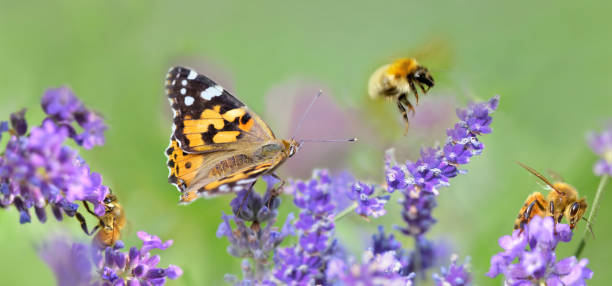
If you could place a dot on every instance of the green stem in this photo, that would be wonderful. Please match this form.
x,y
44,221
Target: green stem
x,y
593,213
346,211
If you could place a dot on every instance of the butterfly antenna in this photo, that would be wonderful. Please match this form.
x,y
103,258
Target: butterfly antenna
x,y
540,176
328,140
297,128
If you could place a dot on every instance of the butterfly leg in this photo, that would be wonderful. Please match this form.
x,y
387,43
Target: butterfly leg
x,y
275,191
244,199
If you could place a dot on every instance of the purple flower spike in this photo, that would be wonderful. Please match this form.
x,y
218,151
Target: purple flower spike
x,y
376,269
250,206
150,242
89,265
416,212
420,180
537,263
303,263
70,263
39,169
454,275
601,143
367,204
259,240
3,128
382,243
19,123
61,103
93,130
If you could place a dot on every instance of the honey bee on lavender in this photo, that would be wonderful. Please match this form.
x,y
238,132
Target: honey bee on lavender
x,y
109,225
398,80
561,201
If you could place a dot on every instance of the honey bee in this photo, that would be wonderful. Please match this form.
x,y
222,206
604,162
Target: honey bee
x,y
397,80
562,201
109,225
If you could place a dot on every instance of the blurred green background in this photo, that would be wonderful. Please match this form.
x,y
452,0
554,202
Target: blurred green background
x,y
549,60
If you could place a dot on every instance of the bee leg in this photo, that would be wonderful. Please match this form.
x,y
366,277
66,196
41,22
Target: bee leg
x,y
403,111
416,92
83,223
403,98
551,209
422,87
526,216
86,205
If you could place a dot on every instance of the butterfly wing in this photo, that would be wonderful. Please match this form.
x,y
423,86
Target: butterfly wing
x,y
207,118
212,139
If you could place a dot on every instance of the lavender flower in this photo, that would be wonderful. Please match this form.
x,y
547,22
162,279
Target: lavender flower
x,y
73,263
254,242
601,143
3,128
367,203
61,104
376,269
39,169
70,262
428,252
419,181
64,108
307,261
535,249
454,275
436,166
382,243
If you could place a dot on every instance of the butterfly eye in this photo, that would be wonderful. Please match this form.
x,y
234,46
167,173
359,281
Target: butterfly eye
x,y
574,209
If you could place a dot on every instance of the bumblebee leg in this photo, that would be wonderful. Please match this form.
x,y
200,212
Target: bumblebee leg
x,y
403,110
423,89
416,92
403,98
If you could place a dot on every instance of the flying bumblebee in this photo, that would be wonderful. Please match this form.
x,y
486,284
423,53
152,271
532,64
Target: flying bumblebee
x,y
399,79
109,225
562,201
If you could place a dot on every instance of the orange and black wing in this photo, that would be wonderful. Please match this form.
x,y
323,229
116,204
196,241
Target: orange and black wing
x,y
206,116
210,123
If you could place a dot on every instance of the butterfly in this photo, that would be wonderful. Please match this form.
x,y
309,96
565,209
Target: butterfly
x,y
217,144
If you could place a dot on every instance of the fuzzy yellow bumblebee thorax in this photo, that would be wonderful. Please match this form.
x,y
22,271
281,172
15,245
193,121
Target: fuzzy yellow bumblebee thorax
x,y
401,68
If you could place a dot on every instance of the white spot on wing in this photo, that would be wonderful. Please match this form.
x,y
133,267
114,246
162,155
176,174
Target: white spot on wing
x,y
192,75
246,181
237,188
184,82
189,100
224,188
183,91
211,92
173,81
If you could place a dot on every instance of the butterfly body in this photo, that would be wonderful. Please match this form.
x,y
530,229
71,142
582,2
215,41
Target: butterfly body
x,y
217,145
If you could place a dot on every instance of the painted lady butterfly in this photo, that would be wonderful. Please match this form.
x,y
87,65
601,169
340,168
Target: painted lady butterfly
x,y
217,144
